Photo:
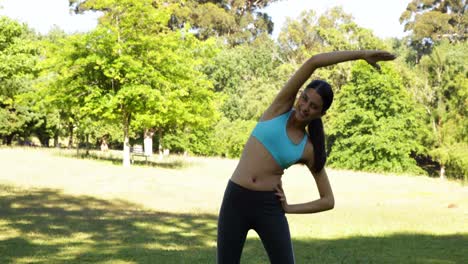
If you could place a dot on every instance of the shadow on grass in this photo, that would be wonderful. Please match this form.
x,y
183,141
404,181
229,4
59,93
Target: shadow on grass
x,y
47,226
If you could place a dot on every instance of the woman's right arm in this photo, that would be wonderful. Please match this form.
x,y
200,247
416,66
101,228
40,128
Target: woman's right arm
x,y
324,203
287,95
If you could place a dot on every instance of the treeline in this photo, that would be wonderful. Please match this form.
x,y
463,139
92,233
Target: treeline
x,y
199,74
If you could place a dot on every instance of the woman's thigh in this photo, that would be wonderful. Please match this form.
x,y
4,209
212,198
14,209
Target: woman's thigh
x,y
232,230
273,230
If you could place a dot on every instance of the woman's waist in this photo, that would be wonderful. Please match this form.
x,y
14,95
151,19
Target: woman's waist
x,y
256,181
251,201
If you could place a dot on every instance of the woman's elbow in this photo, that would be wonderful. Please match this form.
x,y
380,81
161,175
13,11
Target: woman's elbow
x,y
330,203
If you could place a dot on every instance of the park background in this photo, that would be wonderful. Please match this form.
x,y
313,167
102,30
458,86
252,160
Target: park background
x,y
194,77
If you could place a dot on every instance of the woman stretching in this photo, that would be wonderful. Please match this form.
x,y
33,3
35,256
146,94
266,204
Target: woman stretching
x,y
254,197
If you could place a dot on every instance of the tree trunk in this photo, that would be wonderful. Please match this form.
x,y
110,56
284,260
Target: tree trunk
x,y
126,146
160,149
56,139
9,139
87,144
442,171
44,139
70,136
148,142
126,151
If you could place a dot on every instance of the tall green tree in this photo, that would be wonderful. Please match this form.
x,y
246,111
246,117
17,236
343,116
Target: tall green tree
x,y
247,77
446,101
436,19
143,70
236,21
18,57
431,21
374,125
64,83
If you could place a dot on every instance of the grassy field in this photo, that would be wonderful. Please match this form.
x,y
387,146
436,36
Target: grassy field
x,y
58,209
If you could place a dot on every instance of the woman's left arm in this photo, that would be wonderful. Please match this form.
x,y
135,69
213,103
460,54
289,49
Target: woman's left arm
x,y
324,203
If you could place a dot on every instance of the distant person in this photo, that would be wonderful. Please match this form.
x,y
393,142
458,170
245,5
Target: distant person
x,y
286,134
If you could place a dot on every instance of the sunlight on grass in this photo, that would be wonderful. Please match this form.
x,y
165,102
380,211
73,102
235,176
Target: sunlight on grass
x,y
6,232
166,247
30,260
118,262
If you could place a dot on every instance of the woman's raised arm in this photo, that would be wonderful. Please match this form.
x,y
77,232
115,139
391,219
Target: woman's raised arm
x,y
287,95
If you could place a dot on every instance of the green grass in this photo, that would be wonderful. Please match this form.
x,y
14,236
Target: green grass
x,y
58,209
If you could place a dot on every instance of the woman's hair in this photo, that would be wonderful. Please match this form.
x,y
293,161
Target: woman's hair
x,y
315,127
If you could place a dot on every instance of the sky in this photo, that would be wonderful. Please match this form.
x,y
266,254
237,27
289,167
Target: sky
x,y
41,15
381,16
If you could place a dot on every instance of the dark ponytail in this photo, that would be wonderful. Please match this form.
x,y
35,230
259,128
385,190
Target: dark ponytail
x,y
315,127
317,138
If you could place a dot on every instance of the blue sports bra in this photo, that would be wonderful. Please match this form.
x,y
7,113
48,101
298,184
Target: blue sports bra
x,y
272,134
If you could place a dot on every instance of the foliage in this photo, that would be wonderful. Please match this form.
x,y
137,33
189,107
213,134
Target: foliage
x,y
373,124
231,136
236,22
18,58
143,74
431,21
447,102
247,78
201,73
334,30
436,19
455,158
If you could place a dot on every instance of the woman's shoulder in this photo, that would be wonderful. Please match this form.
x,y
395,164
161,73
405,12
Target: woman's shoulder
x,y
272,113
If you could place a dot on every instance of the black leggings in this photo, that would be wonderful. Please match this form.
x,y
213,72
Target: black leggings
x,y
244,209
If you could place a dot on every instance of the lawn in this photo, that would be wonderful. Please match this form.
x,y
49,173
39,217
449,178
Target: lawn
x,y
55,208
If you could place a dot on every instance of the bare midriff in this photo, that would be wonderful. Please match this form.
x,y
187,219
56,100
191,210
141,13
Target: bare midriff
x,y
257,169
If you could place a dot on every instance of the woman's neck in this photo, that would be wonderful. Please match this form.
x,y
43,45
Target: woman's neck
x,y
294,123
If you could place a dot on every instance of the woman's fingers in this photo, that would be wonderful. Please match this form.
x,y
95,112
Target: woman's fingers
x,y
280,193
375,65
374,57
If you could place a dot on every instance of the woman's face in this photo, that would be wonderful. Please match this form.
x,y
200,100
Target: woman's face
x,y
309,106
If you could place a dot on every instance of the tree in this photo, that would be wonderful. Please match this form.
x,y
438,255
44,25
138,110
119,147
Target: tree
x,y
141,72
18,57
446,100
436,19
236,21
374,125
247,77
430,21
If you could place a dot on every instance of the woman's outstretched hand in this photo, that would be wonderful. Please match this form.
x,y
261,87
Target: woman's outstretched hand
x,y
281,196
374,56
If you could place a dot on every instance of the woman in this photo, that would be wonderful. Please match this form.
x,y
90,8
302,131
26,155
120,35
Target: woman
x,y
254,198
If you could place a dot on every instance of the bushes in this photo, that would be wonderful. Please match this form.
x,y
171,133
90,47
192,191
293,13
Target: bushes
x,y
455,160
231,136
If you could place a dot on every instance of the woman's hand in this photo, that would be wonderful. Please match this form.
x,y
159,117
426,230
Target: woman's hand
x,y
374,56
282,196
